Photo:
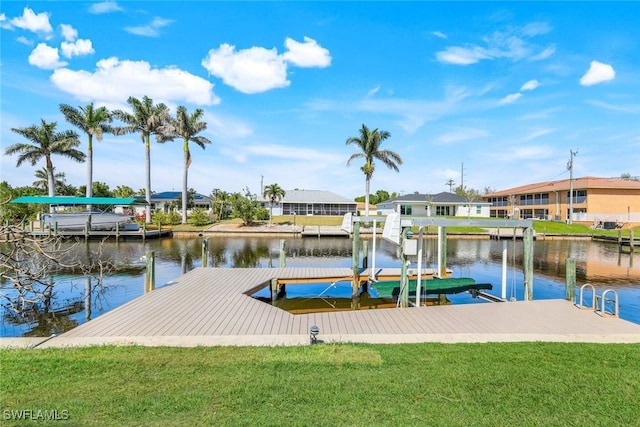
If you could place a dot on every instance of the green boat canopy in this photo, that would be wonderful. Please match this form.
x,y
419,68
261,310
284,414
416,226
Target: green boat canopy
x,y
67,200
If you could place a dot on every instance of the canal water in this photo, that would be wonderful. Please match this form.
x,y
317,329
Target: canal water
x,y
78,298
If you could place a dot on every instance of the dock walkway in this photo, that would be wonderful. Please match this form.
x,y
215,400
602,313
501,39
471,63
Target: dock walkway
x,y
209,306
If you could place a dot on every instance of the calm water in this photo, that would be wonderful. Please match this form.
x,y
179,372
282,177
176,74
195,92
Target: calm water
x,y
597,263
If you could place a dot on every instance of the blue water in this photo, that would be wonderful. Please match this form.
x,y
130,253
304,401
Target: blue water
x,y
597,263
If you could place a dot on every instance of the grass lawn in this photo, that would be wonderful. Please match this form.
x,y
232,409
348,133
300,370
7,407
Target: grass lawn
x,y
501,384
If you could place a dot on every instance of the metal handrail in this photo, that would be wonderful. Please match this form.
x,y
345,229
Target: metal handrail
x,y
580,304
603,300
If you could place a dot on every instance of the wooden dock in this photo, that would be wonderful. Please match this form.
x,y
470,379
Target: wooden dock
x,y
210,306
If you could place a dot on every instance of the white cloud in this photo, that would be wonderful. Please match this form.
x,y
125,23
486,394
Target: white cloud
x,y
37,23
461,135
462,55
257,69
252,70
439,34
25,41
512,44
45,57
598,72
114,81
104,7
151,29
511,98
78,48
538,134
68,32
306,54
530,85
544,54
373,91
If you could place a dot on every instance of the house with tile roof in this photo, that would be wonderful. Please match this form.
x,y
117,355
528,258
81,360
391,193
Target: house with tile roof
x,y
594,201
441,204
311,202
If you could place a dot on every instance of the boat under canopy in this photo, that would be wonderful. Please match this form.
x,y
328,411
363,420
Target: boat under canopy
x,y
92,220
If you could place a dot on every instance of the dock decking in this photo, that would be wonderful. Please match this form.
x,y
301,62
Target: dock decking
x,y
208,306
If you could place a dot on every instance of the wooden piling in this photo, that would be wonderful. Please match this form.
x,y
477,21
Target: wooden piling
x,y
283,254
528,263
355,283
570,280
150,277
205,252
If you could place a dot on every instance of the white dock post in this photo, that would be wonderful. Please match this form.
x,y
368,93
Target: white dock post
x,y
503,294
373,254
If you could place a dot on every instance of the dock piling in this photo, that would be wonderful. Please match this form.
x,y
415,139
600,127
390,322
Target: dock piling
x,y
150,277
570,280
205,252
283,254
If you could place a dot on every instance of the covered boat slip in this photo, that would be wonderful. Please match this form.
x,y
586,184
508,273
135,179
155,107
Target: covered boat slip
x,y
65,219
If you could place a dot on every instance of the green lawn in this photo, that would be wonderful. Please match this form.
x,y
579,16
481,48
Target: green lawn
x,y
505,384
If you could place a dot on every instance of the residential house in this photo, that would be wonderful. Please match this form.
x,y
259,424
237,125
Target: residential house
x,y
441,204
594,201
311,202
167,201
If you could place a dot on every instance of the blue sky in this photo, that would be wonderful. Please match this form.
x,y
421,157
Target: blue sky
x,y
495,93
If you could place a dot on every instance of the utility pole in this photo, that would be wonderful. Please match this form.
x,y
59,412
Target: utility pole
x,y
570,167
462,177
451,183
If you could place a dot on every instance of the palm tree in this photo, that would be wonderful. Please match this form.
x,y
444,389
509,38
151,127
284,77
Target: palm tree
x,y
93,122
43,179
274,193
187,127
147,119
369,142
46,142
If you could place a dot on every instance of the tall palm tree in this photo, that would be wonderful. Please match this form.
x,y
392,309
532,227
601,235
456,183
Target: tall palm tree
x,y
187,127
92,121
274,193
46,142
147,119
42,179
369,142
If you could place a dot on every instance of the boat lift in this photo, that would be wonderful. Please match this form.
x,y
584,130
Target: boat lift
x,y
397,229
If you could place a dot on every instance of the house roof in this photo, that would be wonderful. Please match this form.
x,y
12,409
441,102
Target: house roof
x,y
175,195
564,185
312,196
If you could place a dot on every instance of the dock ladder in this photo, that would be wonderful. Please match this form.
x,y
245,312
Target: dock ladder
x,y
599,302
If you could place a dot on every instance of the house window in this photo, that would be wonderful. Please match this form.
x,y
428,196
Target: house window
x,y
405,209
478,209
579,196
442,210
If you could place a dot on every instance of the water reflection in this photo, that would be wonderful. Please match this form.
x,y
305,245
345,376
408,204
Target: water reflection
x,y
75,301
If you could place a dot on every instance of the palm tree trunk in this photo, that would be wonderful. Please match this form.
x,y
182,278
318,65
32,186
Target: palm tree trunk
x,y
51,179
147,164
184,182
366,198
89,191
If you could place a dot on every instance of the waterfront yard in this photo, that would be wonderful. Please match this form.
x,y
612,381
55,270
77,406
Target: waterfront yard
x,y
501,384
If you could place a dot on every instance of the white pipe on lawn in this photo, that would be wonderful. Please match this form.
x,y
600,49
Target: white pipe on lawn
x,y
504,270
418,287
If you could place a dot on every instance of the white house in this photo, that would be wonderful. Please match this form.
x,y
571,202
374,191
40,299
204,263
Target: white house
x,y
441,204
311,202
